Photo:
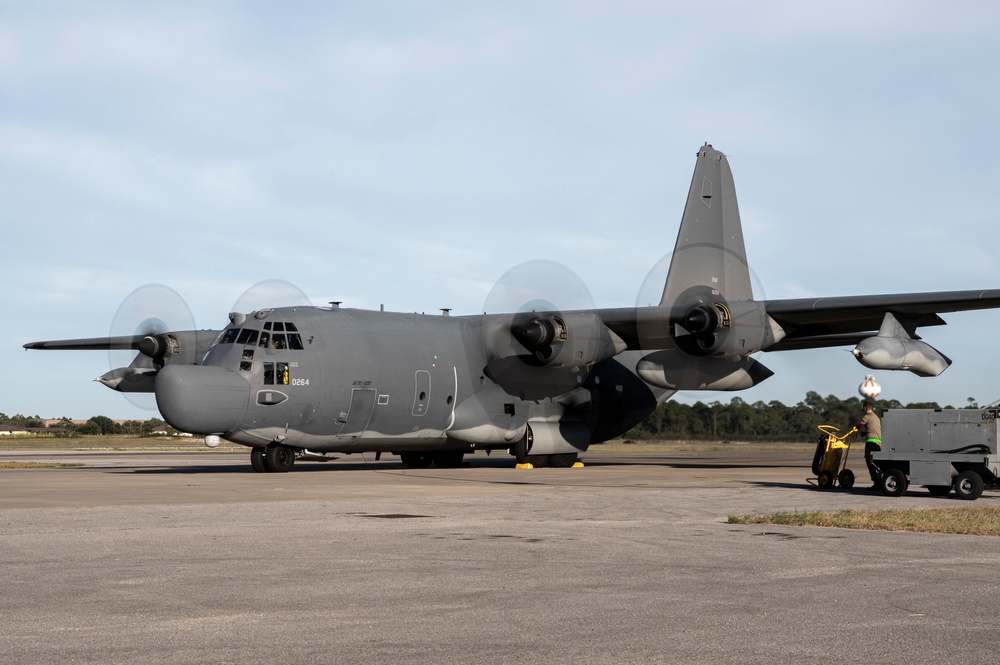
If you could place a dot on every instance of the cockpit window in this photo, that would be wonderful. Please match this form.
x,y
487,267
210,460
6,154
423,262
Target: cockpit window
x,y
276,374
279,335
247,336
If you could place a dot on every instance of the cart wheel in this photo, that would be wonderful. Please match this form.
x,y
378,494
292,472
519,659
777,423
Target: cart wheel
x,y
893,482
818,456
969,485
825,480
846,479
939,490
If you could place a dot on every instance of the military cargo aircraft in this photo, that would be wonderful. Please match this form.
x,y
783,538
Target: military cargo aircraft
x,y
307,382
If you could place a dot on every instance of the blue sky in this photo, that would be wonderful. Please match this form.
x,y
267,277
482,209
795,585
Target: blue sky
x,y
410,154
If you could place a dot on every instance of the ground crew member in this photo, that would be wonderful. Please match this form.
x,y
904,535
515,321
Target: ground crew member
x,y
871,426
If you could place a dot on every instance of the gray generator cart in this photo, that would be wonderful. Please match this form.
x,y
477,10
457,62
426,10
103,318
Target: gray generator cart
x,y
939,448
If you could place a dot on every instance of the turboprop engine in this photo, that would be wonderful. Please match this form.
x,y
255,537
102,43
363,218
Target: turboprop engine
x,y
714,341
726,330
155,351
540,354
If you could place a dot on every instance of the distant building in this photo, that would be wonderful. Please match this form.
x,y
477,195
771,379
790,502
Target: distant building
x,y
163,431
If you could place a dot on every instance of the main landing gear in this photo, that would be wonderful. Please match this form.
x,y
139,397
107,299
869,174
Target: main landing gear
x,y
523,445
443,459
276,458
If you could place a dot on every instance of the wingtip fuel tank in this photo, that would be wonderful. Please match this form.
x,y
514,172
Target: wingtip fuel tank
x,y
901,354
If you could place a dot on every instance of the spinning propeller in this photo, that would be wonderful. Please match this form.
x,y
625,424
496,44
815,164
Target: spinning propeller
x,y
157,322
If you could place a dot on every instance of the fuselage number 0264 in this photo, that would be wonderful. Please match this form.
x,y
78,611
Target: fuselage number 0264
x,y
300,382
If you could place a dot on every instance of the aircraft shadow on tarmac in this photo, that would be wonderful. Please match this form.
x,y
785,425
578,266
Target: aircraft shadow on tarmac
x,y
499,462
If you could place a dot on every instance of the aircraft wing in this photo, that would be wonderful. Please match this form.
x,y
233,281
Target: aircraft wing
x,y
811,323
92,344
185,347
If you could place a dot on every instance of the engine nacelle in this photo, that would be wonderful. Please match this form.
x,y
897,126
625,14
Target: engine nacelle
x,y
566,340
726,330
679,371
901,354
130,380
158,346
560,340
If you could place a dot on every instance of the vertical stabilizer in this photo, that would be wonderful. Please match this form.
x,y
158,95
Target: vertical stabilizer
x,y
709,257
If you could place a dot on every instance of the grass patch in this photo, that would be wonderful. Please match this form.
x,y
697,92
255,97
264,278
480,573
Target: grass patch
x,y
123,442
34,465
968,521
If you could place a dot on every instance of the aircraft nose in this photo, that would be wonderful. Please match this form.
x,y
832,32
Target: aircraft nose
x,y
200,399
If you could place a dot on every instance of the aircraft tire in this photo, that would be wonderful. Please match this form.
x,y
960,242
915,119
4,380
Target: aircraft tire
x,y
539,461
521,447
448,459
416,460
279,458
563,461
258,460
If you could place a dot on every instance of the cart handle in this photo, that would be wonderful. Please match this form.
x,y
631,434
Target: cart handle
x,y
830,430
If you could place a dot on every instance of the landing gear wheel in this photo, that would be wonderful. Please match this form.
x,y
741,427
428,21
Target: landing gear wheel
x,y
846,479
968,485
415,460
824,480
448,459
939,490
258,460
893,482
279,458
563,461
522,446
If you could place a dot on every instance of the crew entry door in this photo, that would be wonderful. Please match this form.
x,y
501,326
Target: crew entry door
x,y
360,412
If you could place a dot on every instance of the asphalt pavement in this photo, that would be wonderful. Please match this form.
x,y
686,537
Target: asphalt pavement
x,y
193,558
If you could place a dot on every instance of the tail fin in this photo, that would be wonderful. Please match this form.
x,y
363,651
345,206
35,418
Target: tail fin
x,y
709,259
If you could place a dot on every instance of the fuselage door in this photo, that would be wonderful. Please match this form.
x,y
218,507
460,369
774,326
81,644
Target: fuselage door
x,y
360,412
421,392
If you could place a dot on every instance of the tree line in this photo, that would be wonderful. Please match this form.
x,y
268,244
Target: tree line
x,y
96,426
760,421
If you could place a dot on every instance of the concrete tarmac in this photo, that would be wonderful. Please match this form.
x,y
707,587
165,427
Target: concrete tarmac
x,y
193,558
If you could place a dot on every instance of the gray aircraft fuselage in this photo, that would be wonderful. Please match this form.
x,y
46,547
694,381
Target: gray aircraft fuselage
x,y
348,380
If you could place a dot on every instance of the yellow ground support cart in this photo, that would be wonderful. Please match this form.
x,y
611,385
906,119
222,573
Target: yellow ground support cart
x,y
830,461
